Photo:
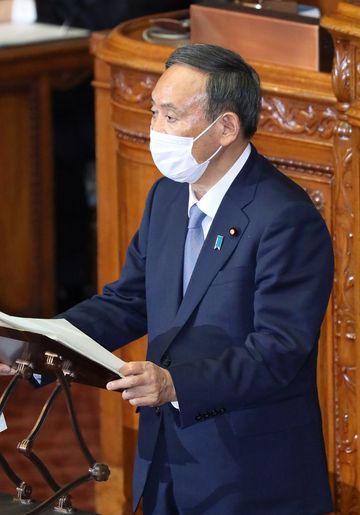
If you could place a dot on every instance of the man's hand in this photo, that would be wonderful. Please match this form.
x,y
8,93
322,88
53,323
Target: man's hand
x,y
145,384
5,370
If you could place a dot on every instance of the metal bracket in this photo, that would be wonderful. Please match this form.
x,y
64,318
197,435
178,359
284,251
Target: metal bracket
x,y
97,471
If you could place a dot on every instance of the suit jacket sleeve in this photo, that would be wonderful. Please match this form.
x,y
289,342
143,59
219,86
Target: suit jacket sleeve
x,y
118,315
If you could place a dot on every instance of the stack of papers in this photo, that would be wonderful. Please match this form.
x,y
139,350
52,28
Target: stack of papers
x,y
14,34
59,330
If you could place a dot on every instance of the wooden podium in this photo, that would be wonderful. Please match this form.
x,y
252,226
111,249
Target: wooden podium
x,y
309,128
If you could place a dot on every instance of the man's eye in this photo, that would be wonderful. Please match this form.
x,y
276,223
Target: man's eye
x,y
153,112
170,118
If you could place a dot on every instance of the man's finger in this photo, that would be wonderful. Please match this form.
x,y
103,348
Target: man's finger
x,y
6,370
133,368
115,385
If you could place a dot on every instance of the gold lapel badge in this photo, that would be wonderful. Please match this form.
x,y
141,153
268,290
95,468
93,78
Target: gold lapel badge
x,y
234,231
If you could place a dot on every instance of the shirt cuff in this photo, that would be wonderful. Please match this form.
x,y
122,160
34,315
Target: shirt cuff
x,y
3,425
38,378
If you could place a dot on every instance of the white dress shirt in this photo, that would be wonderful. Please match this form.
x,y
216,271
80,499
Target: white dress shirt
x,y
3,425
210,202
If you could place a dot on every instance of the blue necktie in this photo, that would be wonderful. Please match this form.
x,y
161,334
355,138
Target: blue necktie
x,y
193,243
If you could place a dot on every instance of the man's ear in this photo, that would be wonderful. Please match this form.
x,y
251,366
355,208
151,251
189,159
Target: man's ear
x,y
231,128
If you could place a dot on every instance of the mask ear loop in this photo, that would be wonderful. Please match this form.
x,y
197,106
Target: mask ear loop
x,y
207,128
214,154
203,132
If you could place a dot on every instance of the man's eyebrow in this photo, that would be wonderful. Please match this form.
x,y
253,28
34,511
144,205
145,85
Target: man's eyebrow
x,y
167,105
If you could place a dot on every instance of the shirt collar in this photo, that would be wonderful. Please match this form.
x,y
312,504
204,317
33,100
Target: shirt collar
x,y
210,202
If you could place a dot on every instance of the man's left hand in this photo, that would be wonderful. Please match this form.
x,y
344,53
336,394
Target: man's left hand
x,y
145,384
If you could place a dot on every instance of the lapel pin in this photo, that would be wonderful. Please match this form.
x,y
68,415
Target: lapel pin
x,y
234,231
218,242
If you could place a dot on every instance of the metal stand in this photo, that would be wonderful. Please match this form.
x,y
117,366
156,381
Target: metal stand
x,y
23,503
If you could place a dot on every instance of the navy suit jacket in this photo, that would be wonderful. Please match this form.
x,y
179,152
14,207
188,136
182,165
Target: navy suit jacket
x,y
241,345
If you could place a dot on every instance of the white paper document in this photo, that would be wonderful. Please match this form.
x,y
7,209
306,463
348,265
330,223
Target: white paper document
x,y
61,331
17,33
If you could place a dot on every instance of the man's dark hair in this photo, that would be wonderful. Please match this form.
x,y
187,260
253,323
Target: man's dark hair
x,y
232,84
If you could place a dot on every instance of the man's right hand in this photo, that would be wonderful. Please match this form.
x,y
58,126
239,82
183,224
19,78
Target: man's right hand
x,y
5,370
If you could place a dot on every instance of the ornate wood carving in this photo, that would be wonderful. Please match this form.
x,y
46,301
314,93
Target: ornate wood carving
x,y
133,137
346,431
317,196
281,115
289,166
132,87
341,72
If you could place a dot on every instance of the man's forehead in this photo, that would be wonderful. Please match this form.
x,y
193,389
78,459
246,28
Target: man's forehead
x,y
180,84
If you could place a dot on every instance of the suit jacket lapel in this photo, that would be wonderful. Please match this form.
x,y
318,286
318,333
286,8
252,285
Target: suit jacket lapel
x,y
230,214
170,246
211,260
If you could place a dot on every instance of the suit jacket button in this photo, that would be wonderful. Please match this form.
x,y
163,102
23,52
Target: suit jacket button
x,y
157,411
166,361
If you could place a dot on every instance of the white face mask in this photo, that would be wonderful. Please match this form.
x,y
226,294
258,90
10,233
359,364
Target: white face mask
x,y
173,155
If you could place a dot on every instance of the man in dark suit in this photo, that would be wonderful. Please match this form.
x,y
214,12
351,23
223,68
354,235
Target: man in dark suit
x,y
229,416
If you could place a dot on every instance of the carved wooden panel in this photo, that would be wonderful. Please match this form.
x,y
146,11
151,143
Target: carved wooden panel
x,y
282,115
346,395
131,94
132,88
